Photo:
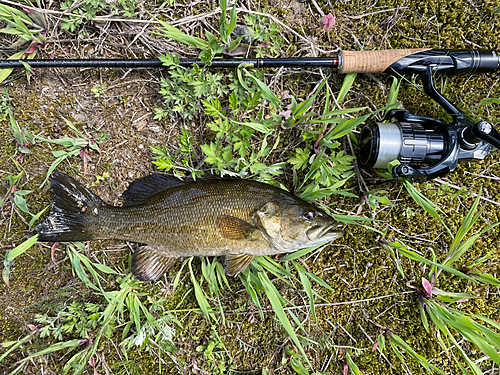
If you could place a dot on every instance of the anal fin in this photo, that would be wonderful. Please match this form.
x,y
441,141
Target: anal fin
x,y
150,263
235,263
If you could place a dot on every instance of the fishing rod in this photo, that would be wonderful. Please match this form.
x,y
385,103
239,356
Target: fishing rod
x,y
425,147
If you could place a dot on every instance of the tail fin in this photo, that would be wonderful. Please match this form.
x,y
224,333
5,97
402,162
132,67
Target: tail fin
x,y
74,210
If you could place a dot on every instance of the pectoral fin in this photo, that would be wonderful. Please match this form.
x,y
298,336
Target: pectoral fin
x,y
237,263
233,228
149,263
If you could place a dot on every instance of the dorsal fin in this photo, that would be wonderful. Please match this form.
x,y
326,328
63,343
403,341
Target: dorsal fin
x,y
150,263
142,189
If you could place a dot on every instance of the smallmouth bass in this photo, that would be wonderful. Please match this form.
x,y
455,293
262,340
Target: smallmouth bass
x,y
235,218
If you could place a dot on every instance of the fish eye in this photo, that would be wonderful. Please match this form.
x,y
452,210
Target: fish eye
x,y
308,216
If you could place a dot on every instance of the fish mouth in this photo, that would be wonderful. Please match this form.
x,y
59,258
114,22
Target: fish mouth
x,y
324,233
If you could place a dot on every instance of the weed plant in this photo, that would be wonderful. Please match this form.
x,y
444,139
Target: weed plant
x,y
86,10
25,27
121,309
435,303
73,146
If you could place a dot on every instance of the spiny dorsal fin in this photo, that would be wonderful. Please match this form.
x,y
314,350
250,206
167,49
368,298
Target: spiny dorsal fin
x,y
149,263
144,188
233,228
235,263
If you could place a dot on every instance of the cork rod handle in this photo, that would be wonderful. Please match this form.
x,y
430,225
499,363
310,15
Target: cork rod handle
x,y
373,61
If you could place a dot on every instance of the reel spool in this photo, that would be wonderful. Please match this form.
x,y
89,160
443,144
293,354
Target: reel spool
x,y
411,144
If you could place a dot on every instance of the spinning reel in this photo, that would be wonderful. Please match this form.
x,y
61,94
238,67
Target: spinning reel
x,y
426,147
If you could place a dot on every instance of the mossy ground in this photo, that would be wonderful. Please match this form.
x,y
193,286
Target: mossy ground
x,y
356,267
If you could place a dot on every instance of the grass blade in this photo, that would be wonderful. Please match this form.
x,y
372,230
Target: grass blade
x,y
198,292
306,284
352,366
265,91
423,361
346,86
425,203
174,33
403,250
394,91
13,254
275,300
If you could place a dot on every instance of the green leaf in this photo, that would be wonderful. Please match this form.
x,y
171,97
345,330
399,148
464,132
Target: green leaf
x,y
174,33
37,216
300,253
306,284
486,278
260,127
275,268
301,108
466,226
14,345
4,73
346,86
265,91
55,348
423,316
450,296
20,249
352,366
343,127
200,296
56,163
13,254
105,269
423,361
233,16
394,91
301,159
297,366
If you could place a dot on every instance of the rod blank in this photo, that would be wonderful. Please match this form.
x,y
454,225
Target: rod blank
x,y
327,62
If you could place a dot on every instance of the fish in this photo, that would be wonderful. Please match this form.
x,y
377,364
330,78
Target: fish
x,y
172,219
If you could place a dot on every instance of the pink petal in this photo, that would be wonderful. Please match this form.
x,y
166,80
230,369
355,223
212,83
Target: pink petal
x,y
327,22
33,47
427,287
